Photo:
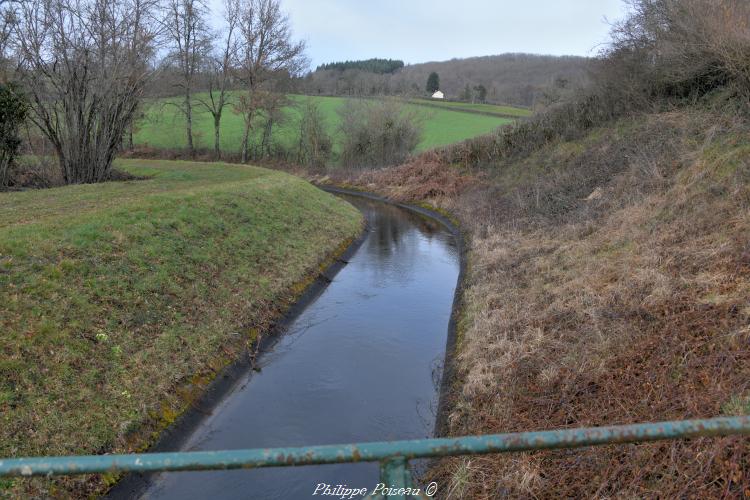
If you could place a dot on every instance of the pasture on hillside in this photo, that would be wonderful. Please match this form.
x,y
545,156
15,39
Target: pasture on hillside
x,y
163,125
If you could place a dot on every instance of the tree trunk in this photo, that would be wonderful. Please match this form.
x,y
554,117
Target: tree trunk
x,y
4,167
245,138
189,120
265,145
217,145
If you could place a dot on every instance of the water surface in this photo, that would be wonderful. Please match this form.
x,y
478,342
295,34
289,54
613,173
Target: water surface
x,y
360,363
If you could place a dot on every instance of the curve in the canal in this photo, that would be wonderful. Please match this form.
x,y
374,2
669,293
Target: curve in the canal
x,y
361,363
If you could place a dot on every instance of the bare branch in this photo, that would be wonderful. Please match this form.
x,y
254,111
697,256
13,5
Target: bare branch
x,y
265,51
84,64
189,40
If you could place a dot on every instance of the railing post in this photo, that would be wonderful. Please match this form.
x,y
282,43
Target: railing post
x,y
394,473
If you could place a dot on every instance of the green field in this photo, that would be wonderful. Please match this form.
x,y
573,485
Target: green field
x,y
114,296
164,126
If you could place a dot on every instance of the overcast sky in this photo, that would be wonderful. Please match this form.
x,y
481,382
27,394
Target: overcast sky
x,y
436,30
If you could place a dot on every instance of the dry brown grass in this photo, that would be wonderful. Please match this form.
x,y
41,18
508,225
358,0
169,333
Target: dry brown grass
x,y
423,178
609,283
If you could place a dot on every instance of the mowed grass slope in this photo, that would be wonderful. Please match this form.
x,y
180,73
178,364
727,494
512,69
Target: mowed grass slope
x,y
119,301
163,126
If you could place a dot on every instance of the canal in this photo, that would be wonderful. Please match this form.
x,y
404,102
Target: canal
x,y
362,362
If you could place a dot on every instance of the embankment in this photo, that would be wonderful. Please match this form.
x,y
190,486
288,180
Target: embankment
x,y
121,301
608,282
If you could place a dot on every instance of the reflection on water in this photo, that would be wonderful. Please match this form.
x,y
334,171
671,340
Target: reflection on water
x,y
359,364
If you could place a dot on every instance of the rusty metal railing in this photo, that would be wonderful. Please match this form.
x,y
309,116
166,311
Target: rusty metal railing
x,y
393,456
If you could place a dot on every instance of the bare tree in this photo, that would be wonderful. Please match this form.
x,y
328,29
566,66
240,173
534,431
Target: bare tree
x,y
84,65
189,40
271,109
315,145
7,21
219,73
266,50
682,47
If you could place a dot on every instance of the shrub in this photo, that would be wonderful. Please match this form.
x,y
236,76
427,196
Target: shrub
x,y
13,109
314,142
683,48
377,133
567,121
85,65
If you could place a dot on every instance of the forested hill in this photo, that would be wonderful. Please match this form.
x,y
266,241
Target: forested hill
x,y
518,79
377,66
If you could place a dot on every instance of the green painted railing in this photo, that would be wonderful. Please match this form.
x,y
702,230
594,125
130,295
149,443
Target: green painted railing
x,y
393,456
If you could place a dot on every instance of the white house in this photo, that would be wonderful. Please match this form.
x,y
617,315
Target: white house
x,y
438,95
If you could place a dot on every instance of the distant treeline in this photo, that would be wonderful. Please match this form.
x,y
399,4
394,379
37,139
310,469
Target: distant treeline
x,y
527,80
518,79
377,66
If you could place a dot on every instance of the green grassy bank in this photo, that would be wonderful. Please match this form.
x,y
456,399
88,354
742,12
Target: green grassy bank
x,y
163,126
119,301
